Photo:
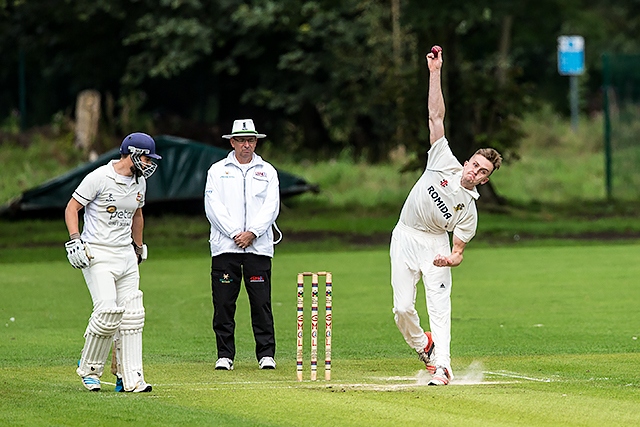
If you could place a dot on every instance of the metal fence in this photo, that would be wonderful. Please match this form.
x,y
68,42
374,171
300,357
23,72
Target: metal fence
x,y
622,125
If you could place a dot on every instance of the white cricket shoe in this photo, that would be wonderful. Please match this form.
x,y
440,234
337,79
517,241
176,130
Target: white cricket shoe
x,y
91,382
267,363
142,387
441,377
224,364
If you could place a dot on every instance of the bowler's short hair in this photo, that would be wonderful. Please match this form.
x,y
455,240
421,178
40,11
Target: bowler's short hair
x,y
492,155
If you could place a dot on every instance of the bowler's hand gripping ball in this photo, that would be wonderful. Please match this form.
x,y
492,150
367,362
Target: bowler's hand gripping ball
x,y
436,50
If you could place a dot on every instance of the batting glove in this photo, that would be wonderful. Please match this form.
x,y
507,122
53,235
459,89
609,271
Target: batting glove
x,y
141,252
77,253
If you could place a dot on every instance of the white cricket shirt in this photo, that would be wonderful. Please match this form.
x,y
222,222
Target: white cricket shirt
x,y
438,203
109,201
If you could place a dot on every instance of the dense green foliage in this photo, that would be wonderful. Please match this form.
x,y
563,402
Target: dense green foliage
x,y
319,76
531,327
555,165
555,190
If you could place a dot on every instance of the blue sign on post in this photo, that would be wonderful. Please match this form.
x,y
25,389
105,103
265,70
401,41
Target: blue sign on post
x,y
571,63
571,55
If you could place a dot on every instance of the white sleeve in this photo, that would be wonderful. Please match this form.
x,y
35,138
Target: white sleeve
x,y
215,208
465,229
441,159
88,189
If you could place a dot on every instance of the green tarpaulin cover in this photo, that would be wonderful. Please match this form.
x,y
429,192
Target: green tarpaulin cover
x,y
177,185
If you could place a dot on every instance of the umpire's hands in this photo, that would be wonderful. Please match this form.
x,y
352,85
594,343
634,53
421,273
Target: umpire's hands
x,y
77,253
244,239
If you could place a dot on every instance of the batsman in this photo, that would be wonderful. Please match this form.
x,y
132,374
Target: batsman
x,y
108,252
442,201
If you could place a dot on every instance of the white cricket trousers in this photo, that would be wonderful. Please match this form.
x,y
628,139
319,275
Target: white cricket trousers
x,y
412,253
112,276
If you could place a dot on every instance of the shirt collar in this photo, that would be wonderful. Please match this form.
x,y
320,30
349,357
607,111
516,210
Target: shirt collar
x,y
473,193
255,160
119,179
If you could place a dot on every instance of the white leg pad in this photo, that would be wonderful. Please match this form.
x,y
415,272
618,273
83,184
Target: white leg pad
x,y
102,325
129,344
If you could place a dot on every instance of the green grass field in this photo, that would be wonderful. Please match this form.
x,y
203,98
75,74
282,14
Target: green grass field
x,y
542,336
545,317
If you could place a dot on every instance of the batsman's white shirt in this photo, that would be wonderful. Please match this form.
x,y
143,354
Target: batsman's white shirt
x,y
242,198
109,201
436,205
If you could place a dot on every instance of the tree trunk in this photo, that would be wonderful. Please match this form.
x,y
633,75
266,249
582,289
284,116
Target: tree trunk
x,y
503,50
87,118
397,62
488,196
316,137
363,141
458,120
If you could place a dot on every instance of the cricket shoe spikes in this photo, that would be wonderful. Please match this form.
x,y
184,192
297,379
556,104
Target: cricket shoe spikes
x,y
441,376
425,354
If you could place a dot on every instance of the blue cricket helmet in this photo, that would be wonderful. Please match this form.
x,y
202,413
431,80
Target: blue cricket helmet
x,y
141,141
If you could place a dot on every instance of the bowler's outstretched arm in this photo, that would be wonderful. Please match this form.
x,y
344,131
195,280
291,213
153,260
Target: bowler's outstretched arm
x,y
436,100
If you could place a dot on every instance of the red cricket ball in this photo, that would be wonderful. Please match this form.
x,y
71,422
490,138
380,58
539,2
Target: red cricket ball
x,y
436,50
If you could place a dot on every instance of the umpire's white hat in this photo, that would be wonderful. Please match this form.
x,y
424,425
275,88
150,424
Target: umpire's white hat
x,y
244,127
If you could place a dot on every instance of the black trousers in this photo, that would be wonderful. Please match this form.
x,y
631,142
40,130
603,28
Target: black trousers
x,y
227,271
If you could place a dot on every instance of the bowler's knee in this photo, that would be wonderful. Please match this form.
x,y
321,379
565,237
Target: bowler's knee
x,y
404,312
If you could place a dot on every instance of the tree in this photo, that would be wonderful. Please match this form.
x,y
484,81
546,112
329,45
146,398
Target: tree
x,y
323,76
325,66
483,88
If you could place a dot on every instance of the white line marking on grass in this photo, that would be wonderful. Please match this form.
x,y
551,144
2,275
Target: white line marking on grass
x,y
394,378
515,375
222,383
319,385
472,375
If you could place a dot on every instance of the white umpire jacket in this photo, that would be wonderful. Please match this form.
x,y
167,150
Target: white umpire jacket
x,y
237,200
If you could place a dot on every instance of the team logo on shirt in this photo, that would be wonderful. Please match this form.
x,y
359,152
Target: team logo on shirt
x,y
256,279
139,197
115,214
119,218
110,198
444,183
458,207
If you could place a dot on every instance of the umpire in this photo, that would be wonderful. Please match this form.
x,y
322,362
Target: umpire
x,y
242,202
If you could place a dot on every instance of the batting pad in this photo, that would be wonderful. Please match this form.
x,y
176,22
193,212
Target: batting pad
x,y
102,326
130,342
